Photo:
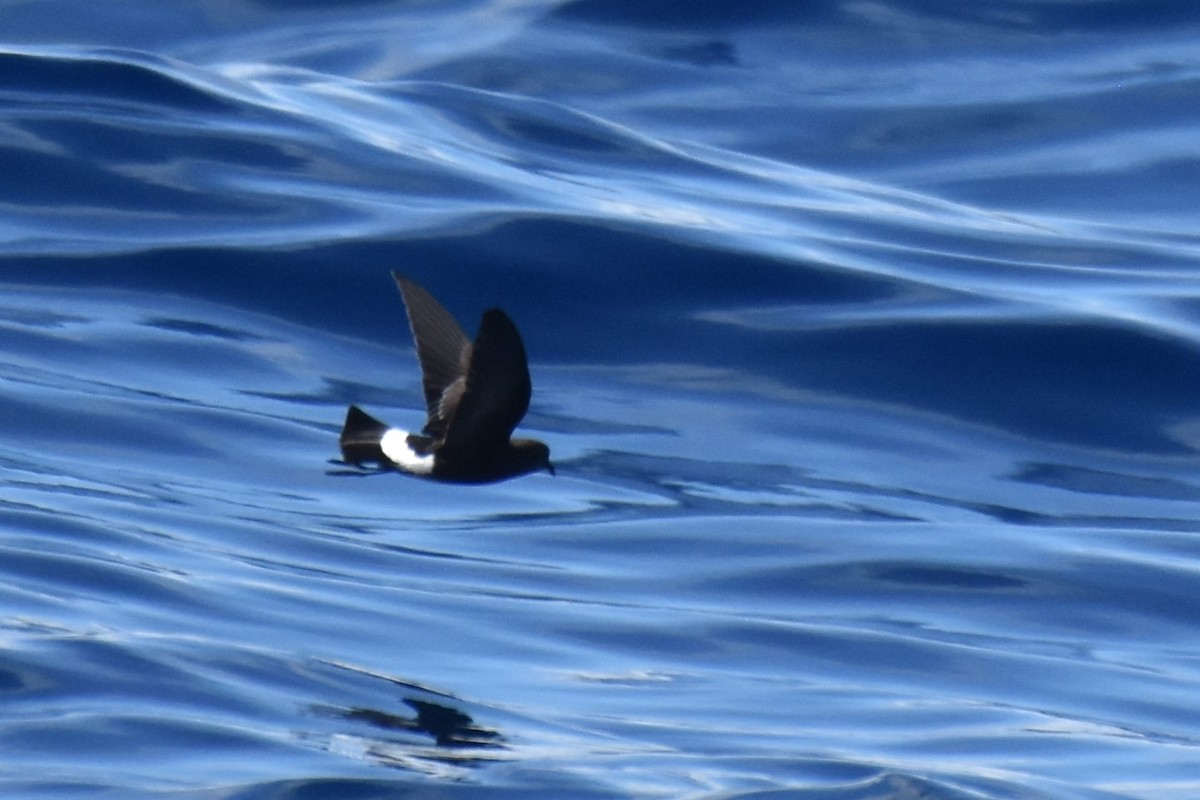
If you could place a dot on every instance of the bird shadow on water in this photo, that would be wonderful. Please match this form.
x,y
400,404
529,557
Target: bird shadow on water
x,y
401,740
344,469
448,726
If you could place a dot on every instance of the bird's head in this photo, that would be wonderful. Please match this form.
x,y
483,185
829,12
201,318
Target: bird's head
x,y
532,455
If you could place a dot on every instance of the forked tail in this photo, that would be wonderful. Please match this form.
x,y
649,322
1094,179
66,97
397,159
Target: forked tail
x,y
360,437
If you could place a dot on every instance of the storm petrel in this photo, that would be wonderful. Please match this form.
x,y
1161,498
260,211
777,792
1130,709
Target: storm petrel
x,y
475,394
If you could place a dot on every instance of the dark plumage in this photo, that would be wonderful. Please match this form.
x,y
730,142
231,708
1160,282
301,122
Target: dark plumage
x,y
475,394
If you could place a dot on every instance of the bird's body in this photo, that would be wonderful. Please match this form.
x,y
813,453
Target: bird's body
x,y
475,394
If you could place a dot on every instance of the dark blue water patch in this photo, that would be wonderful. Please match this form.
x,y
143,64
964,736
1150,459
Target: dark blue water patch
x,y
1086,383
894,580
90,577
936,145
45,524
34,178
607,295
1103,16
931,576
575,290
287,5
537,134
145,28
110,143
202,329
652,470
1115,598
939,132
376,391
776,648
1108,483
111,736
888,30
721,486
48,318
1043,18
52,78
657,14
708,53
14,681
43,426
548,787
312,287
1160,186
527,129
107,670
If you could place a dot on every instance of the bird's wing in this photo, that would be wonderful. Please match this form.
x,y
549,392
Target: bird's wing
x,y
443,350
497,387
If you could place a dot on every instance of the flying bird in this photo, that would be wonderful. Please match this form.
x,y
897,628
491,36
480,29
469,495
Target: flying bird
x,y
475,394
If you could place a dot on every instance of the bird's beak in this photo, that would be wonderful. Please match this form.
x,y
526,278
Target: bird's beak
x,y
550,468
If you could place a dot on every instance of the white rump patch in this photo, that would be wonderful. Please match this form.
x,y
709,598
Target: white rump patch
x,y
394,444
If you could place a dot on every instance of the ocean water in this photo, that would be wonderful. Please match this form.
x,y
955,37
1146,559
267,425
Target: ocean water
x,y
865,335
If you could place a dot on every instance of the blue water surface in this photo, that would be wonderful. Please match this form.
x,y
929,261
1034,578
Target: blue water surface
x,y
865,335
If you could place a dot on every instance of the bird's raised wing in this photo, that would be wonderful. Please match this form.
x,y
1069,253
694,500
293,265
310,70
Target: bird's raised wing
x,y
443,350
497,387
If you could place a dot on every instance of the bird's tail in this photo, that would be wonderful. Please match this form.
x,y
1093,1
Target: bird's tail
x,y
360,437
